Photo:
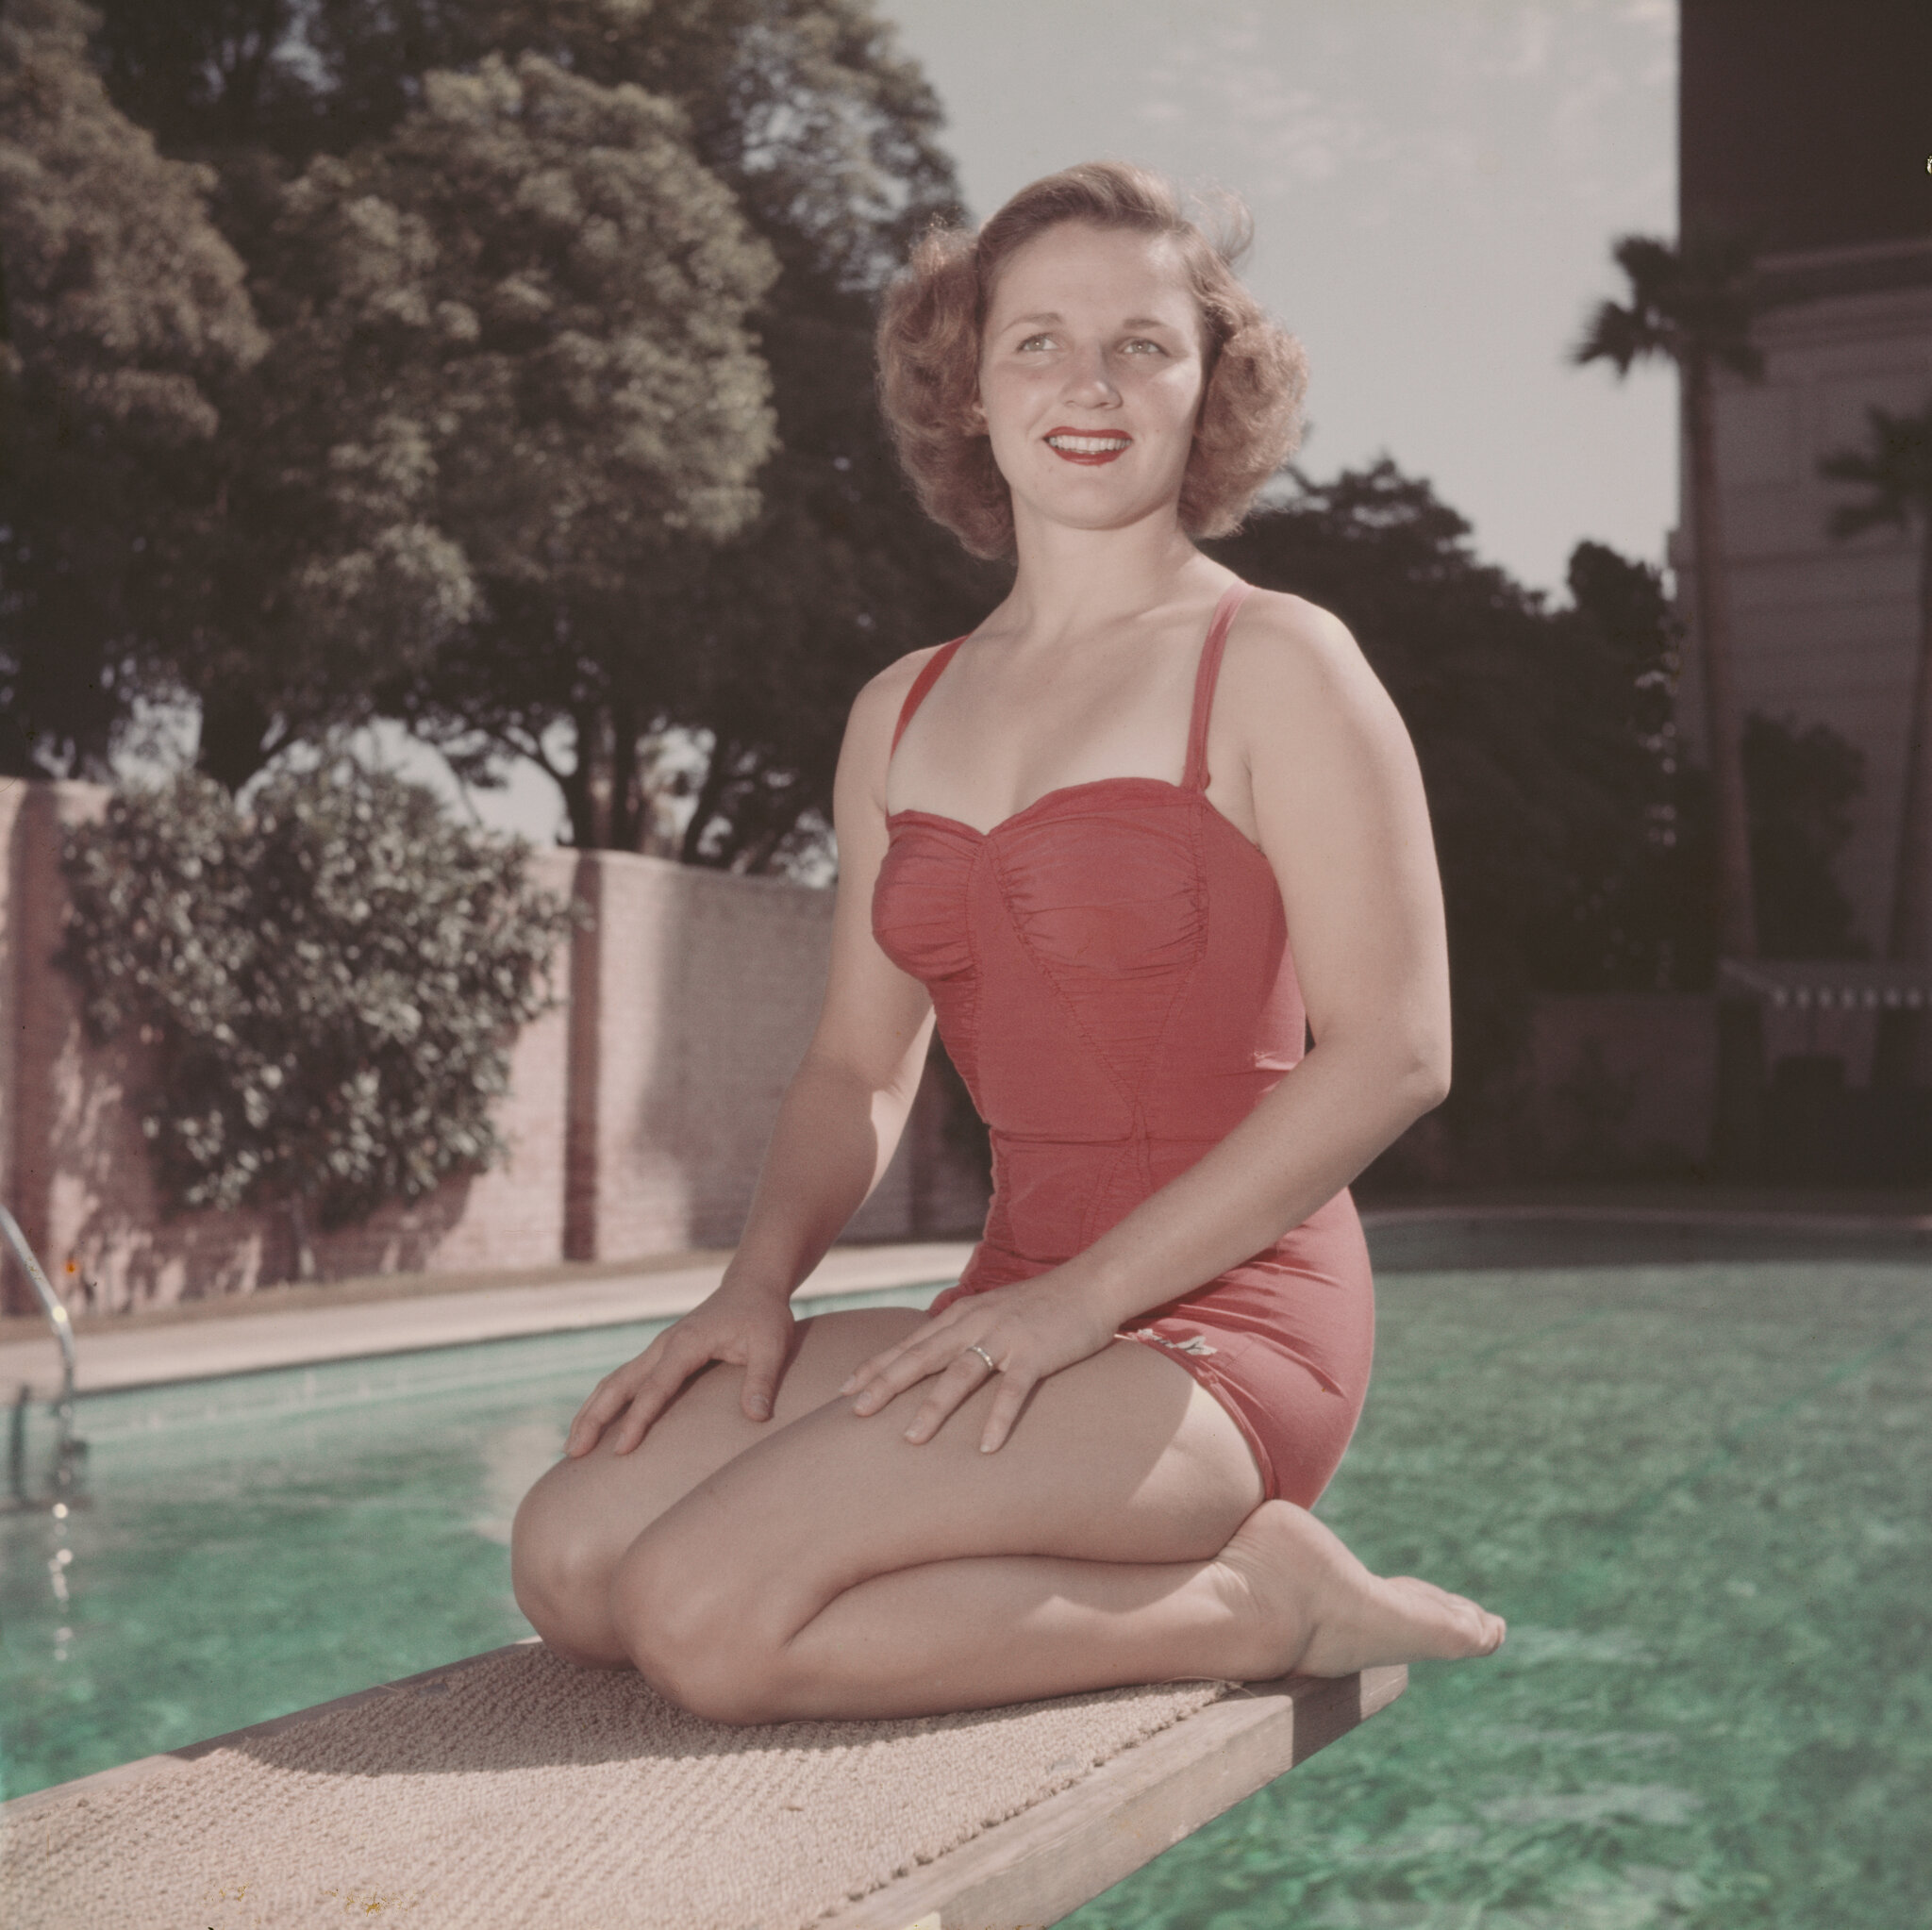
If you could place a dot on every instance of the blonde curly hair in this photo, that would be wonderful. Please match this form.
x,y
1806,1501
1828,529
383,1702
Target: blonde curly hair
x,y
929,343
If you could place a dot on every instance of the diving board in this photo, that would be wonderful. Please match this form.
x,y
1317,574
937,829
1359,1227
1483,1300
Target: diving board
x,y
513,1789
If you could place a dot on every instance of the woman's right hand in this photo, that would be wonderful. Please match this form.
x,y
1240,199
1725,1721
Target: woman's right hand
x,y
749,1327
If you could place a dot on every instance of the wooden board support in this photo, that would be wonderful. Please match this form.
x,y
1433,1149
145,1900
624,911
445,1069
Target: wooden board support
x,y
1034,1870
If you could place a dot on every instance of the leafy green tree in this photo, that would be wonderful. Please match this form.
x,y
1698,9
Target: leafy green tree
x,y
1802,784
123,314
840,573
824,135
329,980
1894,468
1625,923
536,300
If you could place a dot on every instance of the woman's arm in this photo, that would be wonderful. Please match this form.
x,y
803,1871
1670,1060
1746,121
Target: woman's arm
x,y
837,1128
1341,817
848,1101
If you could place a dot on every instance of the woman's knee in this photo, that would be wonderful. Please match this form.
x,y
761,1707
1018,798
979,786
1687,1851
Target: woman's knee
x,y
693,1635
561,1574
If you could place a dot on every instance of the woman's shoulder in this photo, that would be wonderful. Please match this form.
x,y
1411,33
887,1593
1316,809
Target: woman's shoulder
x,y
1285,644
898,676
884,694
874,719
1297,686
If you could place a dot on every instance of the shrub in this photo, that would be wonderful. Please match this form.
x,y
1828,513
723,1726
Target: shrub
x,y
329,982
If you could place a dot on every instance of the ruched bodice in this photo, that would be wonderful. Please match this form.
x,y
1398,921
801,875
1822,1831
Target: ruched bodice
x,y
1111,975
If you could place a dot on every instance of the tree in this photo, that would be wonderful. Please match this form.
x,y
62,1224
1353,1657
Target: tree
x,y
1693,305
1628,923
535,298
1895,470
1802,783
330,980
840,573
122,312
825,136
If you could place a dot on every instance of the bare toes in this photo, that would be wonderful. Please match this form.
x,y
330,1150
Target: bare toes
x,y
1455,1628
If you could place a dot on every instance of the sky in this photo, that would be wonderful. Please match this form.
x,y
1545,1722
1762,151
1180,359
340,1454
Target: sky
x,y
1436,186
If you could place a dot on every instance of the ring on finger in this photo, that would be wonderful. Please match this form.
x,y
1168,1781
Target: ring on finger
x,y
991,1365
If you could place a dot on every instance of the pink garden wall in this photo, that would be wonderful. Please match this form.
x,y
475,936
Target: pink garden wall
x,y
637,1116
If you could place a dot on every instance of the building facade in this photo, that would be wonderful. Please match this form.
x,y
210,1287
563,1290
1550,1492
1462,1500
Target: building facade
x,y
1809,128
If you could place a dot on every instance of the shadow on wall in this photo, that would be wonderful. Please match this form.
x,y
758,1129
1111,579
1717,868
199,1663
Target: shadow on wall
x,y
1819,1130
697,994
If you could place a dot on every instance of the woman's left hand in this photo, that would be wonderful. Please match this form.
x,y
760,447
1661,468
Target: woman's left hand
x,y
1028,1330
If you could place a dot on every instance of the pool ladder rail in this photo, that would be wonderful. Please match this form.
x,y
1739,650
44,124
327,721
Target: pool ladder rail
x,y
63,1488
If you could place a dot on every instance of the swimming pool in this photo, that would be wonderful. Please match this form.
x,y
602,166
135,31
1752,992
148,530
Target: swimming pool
x,y
1698,1486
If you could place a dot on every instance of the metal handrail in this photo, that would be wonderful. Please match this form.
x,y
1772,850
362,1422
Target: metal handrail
x,y
70,1452
50,1300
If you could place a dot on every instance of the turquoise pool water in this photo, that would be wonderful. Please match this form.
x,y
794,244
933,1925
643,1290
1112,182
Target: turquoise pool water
x,y
1698,1486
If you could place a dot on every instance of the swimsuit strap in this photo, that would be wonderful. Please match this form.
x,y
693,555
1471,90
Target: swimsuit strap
x,y
1195,777
922,684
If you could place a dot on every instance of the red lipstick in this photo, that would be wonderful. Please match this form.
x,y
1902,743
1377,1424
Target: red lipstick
x,y
1092,456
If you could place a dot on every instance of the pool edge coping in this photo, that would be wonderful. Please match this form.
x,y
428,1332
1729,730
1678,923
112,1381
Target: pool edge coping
x,y
30,1364
215,1349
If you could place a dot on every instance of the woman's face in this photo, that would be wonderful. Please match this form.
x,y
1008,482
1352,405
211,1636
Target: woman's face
x,y
1091,375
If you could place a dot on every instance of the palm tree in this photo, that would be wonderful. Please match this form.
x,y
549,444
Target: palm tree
x,y
1896,468
1693,305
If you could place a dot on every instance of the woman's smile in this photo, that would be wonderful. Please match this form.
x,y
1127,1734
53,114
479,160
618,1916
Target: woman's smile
x,y
1090,447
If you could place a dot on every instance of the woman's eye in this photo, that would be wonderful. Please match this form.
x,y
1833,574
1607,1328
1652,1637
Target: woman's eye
x,y
1143,344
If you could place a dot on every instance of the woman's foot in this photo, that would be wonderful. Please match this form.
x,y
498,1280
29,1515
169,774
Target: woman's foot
x,y
1311,1609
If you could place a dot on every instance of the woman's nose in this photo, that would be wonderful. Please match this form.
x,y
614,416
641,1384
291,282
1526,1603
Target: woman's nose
x,y
1089,379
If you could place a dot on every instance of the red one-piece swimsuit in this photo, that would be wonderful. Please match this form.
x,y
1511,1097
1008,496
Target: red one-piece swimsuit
x,y
1112,976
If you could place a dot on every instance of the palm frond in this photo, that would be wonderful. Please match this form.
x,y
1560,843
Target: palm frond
x,y
1618,336
1894,465
1691,302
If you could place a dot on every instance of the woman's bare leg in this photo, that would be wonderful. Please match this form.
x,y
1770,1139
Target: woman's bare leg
x,y
833,1568
575,1523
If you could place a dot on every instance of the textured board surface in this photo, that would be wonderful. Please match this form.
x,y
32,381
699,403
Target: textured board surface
x,y
1036,1867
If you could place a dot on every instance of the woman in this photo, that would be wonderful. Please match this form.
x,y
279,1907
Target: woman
x,y
1091,1462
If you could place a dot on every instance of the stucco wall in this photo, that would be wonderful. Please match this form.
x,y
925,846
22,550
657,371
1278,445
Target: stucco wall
x,y
637,1111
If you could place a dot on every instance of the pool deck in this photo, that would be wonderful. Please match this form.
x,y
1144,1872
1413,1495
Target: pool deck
x,y
299,1328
